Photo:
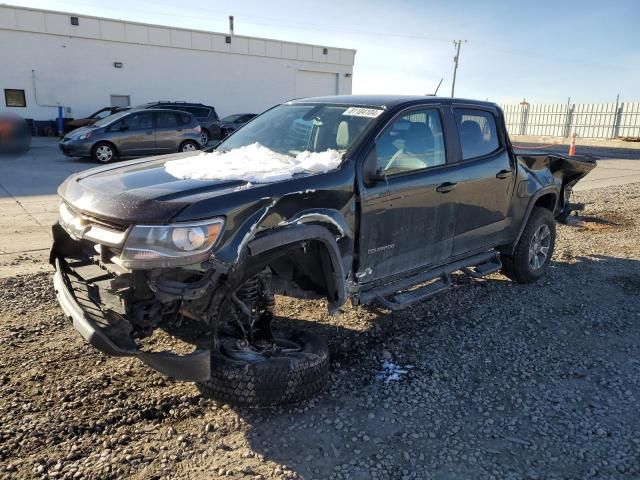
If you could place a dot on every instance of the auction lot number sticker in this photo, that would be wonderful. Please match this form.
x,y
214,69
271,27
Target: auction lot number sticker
x,y
362,112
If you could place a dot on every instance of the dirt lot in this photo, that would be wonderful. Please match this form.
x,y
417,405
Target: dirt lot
x,y
491,380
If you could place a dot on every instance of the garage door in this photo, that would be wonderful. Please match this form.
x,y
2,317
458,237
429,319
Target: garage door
x,y
314,84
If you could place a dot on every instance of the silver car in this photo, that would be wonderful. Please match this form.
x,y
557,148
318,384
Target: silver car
x,y
136,133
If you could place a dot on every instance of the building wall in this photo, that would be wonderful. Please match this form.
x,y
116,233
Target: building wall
x,y
73,66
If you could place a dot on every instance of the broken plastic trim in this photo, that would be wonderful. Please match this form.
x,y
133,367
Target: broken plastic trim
x,y
194,367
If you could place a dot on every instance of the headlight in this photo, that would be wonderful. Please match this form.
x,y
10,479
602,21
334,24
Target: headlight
x,y
82,136
150,246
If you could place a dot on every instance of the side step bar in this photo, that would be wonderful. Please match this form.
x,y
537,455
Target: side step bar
x,y
396,296
411,297
484,269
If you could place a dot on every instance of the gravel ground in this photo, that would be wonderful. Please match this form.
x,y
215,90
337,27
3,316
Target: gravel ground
x,y
490,380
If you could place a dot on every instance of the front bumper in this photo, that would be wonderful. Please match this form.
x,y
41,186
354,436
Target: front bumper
x,y
109,338
75,149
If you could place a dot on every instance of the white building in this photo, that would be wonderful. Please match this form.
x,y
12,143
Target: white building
x,y
83,63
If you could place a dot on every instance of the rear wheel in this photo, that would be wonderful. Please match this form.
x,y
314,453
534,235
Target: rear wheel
x,y
103,152
252,365
189,146
532,255
204,137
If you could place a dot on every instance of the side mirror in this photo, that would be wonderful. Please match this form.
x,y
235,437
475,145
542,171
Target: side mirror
x,y
371,174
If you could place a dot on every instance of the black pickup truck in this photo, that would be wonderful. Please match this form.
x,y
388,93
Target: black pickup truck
x,y
375,199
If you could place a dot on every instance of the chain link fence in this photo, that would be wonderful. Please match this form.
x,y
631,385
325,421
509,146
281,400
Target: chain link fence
x,y
586,120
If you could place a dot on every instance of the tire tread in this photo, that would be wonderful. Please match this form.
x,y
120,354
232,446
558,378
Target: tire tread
x,y
269,382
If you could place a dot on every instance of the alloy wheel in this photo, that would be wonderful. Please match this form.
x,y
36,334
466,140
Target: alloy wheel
x,y
539,247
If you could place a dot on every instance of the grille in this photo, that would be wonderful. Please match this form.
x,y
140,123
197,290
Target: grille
x,y
118,226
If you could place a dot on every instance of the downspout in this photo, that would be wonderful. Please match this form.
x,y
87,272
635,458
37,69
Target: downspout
x,y
59,119
35,91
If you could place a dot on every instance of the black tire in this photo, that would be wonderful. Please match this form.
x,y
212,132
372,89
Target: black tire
x,y
271,380
100,152
521,266
189,146
205,137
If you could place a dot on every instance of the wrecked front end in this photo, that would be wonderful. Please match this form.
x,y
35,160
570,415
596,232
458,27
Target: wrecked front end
x,y
118,292
133,289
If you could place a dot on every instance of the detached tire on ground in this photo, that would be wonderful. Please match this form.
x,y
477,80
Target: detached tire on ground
x,y
269,381
532,255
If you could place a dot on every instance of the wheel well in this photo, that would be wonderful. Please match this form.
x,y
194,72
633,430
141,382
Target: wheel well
x,y
300,270
186,141
304,256
548,201
304,266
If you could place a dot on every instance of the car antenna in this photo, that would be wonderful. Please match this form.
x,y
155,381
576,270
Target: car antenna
x,y
437,88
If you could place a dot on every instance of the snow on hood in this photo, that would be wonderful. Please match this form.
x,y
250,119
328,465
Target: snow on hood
x,y
253,163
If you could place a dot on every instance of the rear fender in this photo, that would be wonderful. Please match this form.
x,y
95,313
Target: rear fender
x,y
540,175
549,190
559,170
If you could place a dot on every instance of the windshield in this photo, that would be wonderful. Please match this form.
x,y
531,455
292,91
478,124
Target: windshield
x,y
107,120
291,129
231,118
100,113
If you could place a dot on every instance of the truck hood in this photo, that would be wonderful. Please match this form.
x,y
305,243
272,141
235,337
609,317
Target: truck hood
x,y
140,190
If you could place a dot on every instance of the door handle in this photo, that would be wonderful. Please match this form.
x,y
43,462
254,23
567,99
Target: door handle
x,y
446,187
502,174
149,133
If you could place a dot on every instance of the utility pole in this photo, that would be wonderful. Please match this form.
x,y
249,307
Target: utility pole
x,y
456,44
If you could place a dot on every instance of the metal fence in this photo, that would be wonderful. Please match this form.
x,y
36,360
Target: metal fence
x,y
587,120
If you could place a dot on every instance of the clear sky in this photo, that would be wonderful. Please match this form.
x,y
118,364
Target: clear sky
x,y
544,51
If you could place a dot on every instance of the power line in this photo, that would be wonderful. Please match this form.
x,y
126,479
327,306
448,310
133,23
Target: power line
x,y
456,44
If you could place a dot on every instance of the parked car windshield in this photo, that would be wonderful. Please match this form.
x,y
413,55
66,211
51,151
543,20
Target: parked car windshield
x,y
111,118
231,118
100,113
294,128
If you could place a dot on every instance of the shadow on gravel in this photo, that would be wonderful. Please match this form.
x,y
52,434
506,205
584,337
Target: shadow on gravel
x,y
605,222
537,381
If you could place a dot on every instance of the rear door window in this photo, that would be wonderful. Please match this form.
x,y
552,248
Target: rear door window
x,y
167,119
184,119
199,112
478,132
